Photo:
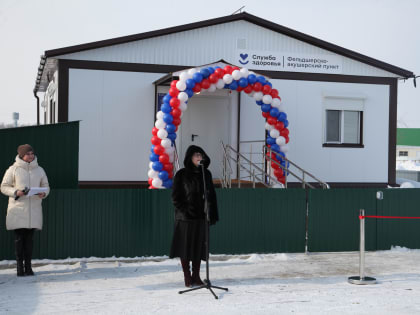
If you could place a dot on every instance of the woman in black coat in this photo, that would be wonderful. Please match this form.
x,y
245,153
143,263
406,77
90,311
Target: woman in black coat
x,y
188,241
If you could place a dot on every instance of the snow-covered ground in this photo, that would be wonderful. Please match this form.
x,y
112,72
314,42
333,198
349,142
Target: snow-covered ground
x,y
314,283
408,165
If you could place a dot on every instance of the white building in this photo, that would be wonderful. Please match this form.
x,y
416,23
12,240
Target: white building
x,y
341,105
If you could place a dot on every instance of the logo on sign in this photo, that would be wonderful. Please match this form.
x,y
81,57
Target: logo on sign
x,y
243,59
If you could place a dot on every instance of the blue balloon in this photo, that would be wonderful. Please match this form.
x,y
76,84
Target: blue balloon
x,y
233,85
275,147
270,140
265,107
157,166
172,136
282,116
167,183
166,108
170,128
252,78
243,82
163,175
286,123
268,83
274,112
205,72
261,79
152,148
167,98
190,83
189,92
153,157
211,70
197,77
168,118
259,102
226,86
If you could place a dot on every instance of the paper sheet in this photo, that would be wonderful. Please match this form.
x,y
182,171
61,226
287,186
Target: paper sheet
x,y
37,190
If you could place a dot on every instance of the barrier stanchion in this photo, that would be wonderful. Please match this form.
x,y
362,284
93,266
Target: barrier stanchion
x,y
361,279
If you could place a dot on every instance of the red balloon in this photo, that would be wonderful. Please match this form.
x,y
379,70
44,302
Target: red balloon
x,y
176,128
173,83
155,131
284,132
278,172
257,86
159,149
176,121
282,180
287,139
176,112
205,84
275,166
174,102
248,89
151,187
170,174
228,69
279,98
271,120
164,158
266,89
150,180
155,140
219,72
173,91
274,93
168,167
213,78
279,125
197,88
235,68
265,114
239,89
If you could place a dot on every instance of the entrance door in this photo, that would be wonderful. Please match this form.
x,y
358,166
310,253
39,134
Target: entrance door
x,y
206,123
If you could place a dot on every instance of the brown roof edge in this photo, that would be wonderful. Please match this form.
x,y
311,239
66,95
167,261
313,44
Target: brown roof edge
x,y
230,18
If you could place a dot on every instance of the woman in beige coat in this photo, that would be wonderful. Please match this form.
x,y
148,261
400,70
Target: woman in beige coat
x,y
24,213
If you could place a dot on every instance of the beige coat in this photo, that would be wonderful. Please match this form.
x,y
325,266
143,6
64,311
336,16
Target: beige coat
x,y
26,212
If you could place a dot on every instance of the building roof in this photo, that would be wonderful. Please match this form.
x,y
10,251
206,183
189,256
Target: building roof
x,y
226,19
408,137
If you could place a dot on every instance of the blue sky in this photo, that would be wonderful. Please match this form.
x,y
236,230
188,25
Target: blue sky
x,y
382,29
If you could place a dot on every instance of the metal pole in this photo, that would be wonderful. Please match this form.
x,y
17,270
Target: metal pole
x,y
361,279
239,171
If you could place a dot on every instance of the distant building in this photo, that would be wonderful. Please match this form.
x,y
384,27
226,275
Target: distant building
x,y
408,144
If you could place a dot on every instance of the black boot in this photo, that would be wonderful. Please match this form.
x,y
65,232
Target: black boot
x,y
196,280
19,236
187,274
29,244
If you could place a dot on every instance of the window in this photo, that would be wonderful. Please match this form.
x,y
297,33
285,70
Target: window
x,y
343,127
403,153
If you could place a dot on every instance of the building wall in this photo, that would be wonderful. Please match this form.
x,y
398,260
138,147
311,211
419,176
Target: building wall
x,y
413,153
209,44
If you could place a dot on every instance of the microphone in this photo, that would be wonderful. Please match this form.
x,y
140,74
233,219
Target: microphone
x,y
202,161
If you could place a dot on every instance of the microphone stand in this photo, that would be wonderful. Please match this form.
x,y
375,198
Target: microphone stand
x,y
207,284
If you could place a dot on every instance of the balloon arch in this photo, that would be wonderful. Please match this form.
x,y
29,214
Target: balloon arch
x,y
209,79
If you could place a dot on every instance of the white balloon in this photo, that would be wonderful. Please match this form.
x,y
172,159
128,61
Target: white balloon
x,y
267,99
236,74
244,72
282,107
183,96
153,174
274,133
192,71
166,143
258,96
183,107
160,124
150,165
220,84
182,77
275,102
280,140
171,158
284,148
157,182
227,78
212,88
170,150
181,85
160,114
268,126
162,134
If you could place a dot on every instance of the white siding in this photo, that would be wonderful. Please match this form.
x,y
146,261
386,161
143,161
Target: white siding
x,y
116,110
209,44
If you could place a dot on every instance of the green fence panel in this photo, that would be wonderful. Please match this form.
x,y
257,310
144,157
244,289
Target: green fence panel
x,y
399,232
56,146
259,221
334,219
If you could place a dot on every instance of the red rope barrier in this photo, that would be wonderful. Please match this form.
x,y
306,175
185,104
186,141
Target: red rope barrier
x,y
385,217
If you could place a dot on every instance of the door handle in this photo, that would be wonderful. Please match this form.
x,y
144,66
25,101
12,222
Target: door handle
x,y
193,136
